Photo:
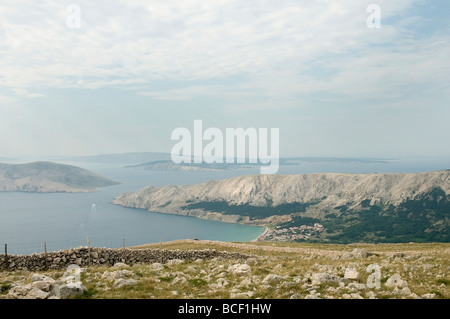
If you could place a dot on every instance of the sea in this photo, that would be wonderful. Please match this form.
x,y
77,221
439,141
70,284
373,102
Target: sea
x,y
32,222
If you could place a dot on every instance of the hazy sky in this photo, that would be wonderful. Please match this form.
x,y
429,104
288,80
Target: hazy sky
x,y
132,71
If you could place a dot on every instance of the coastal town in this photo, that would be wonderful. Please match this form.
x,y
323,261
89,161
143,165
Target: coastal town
x,y
295,233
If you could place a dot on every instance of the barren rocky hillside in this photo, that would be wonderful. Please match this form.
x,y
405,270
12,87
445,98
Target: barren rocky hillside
x,y
344,203
332,189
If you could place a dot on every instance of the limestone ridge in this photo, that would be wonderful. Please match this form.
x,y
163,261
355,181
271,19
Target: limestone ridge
x,y
49,177
335,197
331,189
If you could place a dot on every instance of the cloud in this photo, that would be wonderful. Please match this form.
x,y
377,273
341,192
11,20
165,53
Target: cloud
x,y
25,93
284,49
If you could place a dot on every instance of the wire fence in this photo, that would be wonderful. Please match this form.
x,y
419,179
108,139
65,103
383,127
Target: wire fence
x,y
20,248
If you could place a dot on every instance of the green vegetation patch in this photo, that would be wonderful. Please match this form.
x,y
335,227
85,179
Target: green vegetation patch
x,y
422,219
254,212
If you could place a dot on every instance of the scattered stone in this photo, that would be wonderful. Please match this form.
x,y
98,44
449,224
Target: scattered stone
x,y
119,283
252,261
72,290
42,285
352,296
429,296
179,280
157,266
360,253
396,281
245,283
118,274
351,274
175,262
272,279
356,286
223,274
35,293
371,295
312,296
323,278
242,295
356,253
405,291
240,269
40,277
119,264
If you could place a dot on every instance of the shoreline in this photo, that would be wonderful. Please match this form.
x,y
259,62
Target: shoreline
x,y
266,230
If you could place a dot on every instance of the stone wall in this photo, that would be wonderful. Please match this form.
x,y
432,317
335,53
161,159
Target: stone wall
x,y
84,256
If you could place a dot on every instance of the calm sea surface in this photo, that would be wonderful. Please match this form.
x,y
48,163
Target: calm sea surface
x,y
27,220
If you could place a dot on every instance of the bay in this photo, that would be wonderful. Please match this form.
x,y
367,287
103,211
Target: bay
x,y
65,220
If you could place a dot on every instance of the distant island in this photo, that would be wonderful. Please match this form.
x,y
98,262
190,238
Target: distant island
x,y
48,177
328,207
163,161
165,164
121,158
169,165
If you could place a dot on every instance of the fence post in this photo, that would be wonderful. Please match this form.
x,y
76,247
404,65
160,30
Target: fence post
x,y
123,243
89,250
6,257
45,255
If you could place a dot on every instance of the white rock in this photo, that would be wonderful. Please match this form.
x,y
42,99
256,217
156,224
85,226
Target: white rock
x,y
223,274
157,266
245,283
429,296
396,281
371,295
175,262
405,291
119,283
39,277
19,292
120,265
272,279
42,285
118,274
242,295
356,286
72,290
35,293
323,278
351,274
223,282
179,280
240,269
312,296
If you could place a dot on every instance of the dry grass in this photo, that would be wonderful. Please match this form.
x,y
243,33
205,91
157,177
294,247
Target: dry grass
x,y
425,267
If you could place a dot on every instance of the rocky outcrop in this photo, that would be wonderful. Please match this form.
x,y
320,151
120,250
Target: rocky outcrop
x,y
45,287
328,190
